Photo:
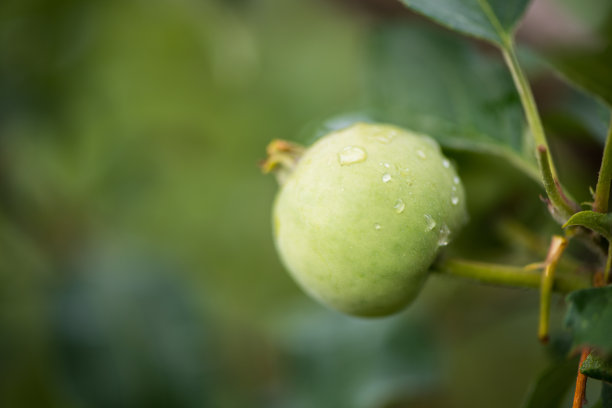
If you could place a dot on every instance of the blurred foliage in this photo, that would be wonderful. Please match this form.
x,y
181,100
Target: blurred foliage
x,y
137,266
117,313
589,317
553,385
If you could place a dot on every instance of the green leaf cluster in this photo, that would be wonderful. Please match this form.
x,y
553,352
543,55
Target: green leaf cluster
x,y
589,317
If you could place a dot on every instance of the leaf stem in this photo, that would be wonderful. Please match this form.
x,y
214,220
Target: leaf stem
x,y
559,205
533,117
512,276
557,246
527,99
602,191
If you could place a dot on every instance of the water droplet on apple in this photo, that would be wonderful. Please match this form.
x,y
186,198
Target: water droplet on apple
x,y
351,155
444,235
430,223
399,206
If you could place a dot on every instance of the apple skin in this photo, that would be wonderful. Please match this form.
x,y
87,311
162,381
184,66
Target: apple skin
x,y
363,215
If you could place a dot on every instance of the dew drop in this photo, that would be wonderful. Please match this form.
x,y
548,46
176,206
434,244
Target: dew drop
x,y
385,136
386,178
399,206
445,232
421,154
454,200
456,180
430,223
446,163
406,174
377,227
351,155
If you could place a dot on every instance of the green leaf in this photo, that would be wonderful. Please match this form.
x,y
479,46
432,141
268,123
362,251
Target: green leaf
x,y
587,66
598,222
598,367
551,386
576,107
589,317
432,82
589,71
583,110
491,20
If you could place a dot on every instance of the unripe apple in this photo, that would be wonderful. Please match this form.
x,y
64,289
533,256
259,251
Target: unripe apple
x,y
362,214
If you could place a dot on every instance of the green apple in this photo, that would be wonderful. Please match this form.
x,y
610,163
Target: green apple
x,y
362,214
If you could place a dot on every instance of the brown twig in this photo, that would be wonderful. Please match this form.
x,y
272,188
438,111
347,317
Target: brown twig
x,y
581,380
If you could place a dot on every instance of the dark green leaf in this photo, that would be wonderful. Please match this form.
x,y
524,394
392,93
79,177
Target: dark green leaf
x,y
598,222
576,110
585,110
434,83
551,386
589,317
588,67
491,20
588,70
598,367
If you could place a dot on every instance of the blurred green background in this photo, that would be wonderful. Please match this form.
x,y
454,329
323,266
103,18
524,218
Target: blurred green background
x,y
137,267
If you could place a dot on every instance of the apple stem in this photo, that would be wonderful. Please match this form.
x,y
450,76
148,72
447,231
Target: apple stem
x,y
282,158
510,276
